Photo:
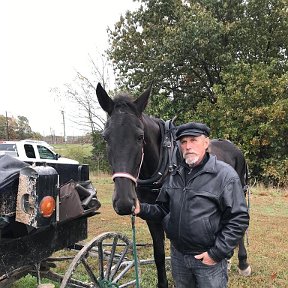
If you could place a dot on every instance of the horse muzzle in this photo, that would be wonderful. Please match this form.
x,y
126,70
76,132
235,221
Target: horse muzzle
x,y
121,208
124,197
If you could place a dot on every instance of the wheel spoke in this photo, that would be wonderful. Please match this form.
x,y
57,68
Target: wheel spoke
x,y
101,260
110,262
89,270
120,260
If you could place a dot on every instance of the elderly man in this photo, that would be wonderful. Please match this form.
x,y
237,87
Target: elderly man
x,y
203,210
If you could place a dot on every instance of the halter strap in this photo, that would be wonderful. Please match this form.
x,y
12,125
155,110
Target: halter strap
x,y
124,175
128,175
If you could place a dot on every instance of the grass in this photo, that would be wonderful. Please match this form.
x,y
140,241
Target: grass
x,y
64,149
79,152
267,235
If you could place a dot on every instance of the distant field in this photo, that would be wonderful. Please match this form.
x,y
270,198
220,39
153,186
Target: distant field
x,y
66,149
268,234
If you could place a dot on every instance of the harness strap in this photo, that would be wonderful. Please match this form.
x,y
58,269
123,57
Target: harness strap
x,y
165,164
169,143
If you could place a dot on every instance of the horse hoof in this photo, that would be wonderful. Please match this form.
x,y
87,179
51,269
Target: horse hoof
x,y
246,272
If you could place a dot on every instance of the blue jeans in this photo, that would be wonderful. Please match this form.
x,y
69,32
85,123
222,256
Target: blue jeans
x,y
189,272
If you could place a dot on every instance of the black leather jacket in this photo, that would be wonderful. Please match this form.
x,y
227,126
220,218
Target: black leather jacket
x,y
208,212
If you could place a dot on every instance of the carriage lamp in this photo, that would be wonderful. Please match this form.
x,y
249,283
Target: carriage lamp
x,y
47,206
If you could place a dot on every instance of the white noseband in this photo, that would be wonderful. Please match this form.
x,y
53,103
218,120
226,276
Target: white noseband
x,y
124,175
127,175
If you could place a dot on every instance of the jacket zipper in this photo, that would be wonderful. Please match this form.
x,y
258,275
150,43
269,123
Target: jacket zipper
x,y
184,196
182,202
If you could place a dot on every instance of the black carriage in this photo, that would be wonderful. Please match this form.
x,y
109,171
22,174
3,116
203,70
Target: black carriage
x,y
44,209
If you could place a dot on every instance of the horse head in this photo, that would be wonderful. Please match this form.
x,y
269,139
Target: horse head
x,y
124,136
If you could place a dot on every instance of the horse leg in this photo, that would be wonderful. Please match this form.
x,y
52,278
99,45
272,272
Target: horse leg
x,y
244,267
229,261
158,237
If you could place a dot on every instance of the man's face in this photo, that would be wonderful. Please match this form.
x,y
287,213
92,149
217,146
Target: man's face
x,y
193,148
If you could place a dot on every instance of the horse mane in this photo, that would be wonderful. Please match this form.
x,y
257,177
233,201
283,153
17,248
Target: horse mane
x,y
126,101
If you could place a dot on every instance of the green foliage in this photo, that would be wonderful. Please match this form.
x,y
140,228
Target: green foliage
x,y
94,155
99,153
253,113
81,152
220,62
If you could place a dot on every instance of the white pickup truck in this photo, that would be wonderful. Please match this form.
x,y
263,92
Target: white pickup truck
x,y
33,151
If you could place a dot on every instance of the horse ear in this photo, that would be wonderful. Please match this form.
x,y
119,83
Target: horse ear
x,y
142,101
106,103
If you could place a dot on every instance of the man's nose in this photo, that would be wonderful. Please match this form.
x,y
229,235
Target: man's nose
x,y
189,146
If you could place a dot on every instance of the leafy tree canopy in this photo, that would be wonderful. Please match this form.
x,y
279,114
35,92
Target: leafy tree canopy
x,y
16,128
220,62
184,47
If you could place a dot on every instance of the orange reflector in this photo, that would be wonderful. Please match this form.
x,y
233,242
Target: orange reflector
x,y
47,206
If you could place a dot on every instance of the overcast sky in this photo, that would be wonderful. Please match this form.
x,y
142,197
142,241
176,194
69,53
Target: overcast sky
x,y
43,43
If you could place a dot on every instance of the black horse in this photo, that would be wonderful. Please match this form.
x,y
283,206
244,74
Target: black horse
x,y
135,145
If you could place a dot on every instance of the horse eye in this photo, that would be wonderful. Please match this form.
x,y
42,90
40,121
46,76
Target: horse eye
x,y
105,138
140,138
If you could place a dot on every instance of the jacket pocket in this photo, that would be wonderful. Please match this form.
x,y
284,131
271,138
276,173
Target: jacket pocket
x,y
209,230
198,234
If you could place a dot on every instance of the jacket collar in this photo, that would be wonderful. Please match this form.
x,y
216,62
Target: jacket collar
x,y
209,166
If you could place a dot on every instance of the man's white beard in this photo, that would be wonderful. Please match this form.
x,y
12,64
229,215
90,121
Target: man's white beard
x,y
191,161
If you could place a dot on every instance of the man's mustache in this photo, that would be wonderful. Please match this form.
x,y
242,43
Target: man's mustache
x,y
188,153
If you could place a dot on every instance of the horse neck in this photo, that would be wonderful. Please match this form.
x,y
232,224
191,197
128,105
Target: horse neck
x,y
153,137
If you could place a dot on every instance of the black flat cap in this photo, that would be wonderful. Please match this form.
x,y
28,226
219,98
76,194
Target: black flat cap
x,y
192,129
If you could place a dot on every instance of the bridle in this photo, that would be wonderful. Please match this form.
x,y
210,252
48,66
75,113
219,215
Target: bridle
x,y
166,163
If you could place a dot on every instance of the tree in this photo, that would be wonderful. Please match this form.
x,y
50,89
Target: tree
x,y
87,113
23,129
3,127
185,48
232,54
181,47
99,153
253,113
16,128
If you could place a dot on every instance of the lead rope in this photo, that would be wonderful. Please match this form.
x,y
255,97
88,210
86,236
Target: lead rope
x,y
103,283
135,258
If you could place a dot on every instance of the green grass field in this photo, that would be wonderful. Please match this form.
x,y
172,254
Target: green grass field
x,y
267,235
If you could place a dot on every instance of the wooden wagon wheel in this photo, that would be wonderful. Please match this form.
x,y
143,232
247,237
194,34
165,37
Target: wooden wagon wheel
x,y
105,261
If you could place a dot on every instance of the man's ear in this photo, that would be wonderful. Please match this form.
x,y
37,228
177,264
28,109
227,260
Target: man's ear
x,y
206,142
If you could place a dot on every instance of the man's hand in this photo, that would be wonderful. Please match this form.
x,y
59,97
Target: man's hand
x,y
137,208
205,258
